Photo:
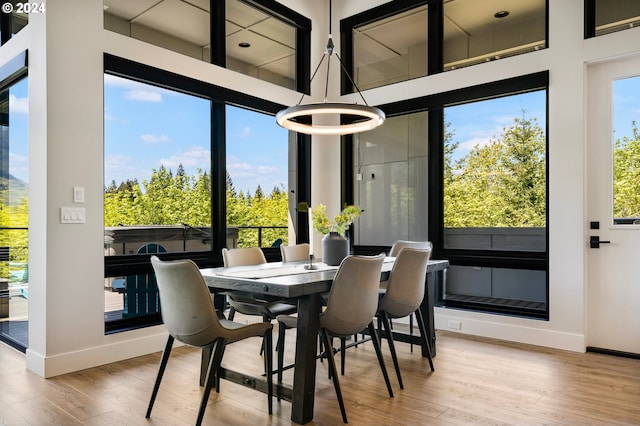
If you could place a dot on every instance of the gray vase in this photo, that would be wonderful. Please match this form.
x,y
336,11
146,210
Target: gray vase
x,y
335,247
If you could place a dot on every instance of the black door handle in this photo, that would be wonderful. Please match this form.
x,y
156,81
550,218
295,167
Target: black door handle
x,y
595,241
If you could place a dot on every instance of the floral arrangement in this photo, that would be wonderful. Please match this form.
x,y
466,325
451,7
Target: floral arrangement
x,y
341,222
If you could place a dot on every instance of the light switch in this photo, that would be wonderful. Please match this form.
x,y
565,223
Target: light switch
x,y
78,194
72,215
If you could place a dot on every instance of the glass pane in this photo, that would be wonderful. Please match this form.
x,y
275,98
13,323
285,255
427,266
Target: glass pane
x,y
474,33
391,181
616,15
155,22
257,44
260,45
495,174
157,169
391,50
14,213
257,176
626,153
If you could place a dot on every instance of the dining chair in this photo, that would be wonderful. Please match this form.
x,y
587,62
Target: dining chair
x,y
400,244
403,297
190,317
395,249
295,253
351,307
248,303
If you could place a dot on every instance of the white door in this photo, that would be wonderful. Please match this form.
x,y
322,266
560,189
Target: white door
x,y
613,205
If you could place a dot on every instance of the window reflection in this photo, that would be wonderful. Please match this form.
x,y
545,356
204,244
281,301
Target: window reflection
x,y
474,34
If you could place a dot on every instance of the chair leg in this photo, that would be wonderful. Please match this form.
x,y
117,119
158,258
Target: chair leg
x,y
411,331
268,366
343,354
425,336
219,360
332,371
232,313
376,345
392,346
163,364
280,349
212,374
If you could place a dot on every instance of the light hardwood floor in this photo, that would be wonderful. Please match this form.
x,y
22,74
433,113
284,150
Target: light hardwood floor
x,y
477,381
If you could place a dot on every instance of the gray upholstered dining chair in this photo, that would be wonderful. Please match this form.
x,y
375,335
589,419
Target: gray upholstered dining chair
x,y
395,249
351,306
295,253
190,317
400,244
246,303
242,256
404,294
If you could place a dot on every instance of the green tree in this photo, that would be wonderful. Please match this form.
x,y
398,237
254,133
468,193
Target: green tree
x,y
500,184
626,175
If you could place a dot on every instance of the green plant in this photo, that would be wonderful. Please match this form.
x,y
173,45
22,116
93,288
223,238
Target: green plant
x,y
340,223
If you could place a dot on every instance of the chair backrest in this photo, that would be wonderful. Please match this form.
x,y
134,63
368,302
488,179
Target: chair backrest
x,y
295,253
243,256
187,308
400,244
353,299
405,289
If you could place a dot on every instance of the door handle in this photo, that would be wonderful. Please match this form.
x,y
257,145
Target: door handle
x,y
595,241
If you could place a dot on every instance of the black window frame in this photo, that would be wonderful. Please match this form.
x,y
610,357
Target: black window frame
x,y
434,105
435,33
219,97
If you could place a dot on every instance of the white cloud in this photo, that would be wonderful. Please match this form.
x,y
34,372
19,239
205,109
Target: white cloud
x,y
246,132
196,156
143,95
119,168
18,105
153,139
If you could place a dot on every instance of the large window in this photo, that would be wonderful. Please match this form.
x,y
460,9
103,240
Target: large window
x,y
399,41
14,213
257,184
495,192
468,173
157,169
187,172
260,38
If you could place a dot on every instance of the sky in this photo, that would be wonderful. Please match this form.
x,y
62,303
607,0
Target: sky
x,y
146,126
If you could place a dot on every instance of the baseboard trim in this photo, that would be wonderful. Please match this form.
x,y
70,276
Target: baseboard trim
x,y
612,352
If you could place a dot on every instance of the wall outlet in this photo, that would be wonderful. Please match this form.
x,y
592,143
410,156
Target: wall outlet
x,y
455,325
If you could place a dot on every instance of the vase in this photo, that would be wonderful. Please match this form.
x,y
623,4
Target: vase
x,y
335,247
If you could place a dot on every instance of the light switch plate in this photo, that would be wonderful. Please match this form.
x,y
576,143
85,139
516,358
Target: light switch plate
x,y
72,215
78,194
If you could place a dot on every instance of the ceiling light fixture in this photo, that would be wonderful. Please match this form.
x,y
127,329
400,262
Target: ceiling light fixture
x,y
501,14
299,118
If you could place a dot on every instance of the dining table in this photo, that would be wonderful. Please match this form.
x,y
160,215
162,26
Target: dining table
x,y
297,281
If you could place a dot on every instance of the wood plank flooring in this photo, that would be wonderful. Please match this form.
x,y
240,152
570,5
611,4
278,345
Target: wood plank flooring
x,y
477,382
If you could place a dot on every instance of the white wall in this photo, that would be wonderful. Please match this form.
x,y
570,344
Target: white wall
x,y
66,150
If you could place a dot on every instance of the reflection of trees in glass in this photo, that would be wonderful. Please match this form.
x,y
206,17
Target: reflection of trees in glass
x,y
626,175
169,199
499,184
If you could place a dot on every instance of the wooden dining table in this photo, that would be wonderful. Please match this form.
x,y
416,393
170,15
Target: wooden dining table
x,y
294,281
